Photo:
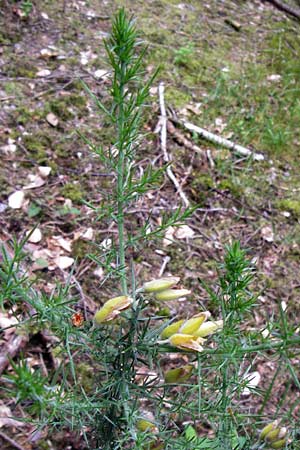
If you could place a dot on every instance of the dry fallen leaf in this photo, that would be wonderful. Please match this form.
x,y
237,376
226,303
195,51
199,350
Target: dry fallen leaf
x,y
66,244
43,73
35,236
183,232
62,262
86,57
52,119
42,254
101,74
7,324
88,234
169,236
44,171
10,147
44,16
35,182
267,233
106,244
50,52
5,417
16,200
99,272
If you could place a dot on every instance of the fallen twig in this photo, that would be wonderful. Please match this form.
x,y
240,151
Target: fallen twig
x,y
165,262
182,140
223,142
286,8
162,127
11,441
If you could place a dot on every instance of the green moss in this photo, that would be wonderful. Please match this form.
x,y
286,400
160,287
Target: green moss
x,y
229,185
202,180
20,68
177,97
291,205
79,101
80,249
39,145
60,108
73,191
23,115
200,184
67,107
85,374
12,88
9,36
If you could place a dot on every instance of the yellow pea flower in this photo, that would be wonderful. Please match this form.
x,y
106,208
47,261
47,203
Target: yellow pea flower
x,y
171,329
145,425
187,342
178,375
112,308
190,326
171,294
208,328
160,284
274,436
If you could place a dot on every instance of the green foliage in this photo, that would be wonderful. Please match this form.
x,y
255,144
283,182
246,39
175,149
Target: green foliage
x,y
73,191
184,56
109,374
26,7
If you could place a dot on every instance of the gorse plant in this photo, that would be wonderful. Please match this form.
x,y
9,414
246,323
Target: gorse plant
x,y
128,377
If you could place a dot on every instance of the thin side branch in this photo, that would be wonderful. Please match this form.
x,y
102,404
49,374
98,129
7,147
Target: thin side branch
x,y
286,8
243,151
163,142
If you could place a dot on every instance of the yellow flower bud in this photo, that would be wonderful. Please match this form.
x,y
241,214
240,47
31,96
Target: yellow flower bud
x,y
112,308
145,425
187,342
171,329
178,375
160,284
208,328
270,427
278,444
272,435
190,326
172,294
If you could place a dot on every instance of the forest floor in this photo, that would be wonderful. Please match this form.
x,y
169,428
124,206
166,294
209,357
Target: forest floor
x,y
231,67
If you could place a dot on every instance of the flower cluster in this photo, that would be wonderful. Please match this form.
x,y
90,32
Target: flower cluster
x,y
185,334
189,334
273,435
163,289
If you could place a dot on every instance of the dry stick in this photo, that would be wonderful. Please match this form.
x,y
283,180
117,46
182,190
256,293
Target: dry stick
x,y
163,143
223,142
286,8
11,441
164,265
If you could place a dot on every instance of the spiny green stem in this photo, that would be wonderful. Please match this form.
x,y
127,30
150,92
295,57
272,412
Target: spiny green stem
x,y
120,183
